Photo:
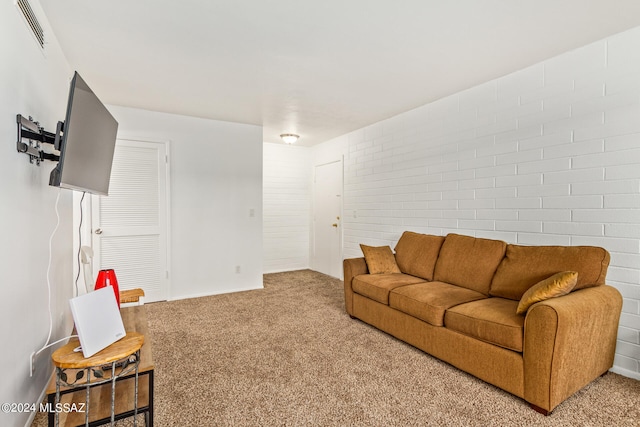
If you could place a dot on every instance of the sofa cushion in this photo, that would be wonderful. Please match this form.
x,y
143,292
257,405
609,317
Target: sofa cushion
x,y
469,261
493,320
524,266
555,286
379,259
428,301
377,286
416,254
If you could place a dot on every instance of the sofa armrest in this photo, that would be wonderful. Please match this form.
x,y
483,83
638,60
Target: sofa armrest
x,y
568,342
352,267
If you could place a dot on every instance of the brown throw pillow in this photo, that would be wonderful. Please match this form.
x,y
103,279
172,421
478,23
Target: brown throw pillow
x,y
555,286
379,259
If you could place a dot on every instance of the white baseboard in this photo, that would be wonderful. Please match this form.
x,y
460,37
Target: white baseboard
x,y
280,270
32,414
625,372
218,292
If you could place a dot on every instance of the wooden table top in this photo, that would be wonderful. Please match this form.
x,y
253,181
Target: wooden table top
x,y
67,358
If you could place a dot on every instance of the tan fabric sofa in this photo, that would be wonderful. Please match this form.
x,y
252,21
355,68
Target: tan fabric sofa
x,y
456,297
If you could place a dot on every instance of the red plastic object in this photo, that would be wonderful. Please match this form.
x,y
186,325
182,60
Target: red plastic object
x,y
108,278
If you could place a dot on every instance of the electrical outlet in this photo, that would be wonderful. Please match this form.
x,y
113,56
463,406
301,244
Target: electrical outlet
x,y
32,364
237,269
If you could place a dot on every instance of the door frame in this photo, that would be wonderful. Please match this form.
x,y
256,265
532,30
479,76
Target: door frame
x,y
312,231
83,219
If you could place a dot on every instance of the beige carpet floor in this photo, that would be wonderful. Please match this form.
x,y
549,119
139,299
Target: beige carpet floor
x,y
289,355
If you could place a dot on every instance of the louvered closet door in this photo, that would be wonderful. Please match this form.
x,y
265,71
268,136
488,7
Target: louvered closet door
x,y
130,225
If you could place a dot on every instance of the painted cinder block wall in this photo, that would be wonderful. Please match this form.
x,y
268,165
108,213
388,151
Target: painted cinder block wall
x,y
286,207
547,155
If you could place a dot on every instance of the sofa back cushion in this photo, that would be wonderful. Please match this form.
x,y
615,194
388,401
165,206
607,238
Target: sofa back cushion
x,y
524,266
469,262
416,254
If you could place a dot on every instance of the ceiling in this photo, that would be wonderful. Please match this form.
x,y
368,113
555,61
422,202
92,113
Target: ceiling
x,y
317,68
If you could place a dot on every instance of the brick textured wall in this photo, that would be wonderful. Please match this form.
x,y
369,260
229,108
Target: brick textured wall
x,y
546,155
286,207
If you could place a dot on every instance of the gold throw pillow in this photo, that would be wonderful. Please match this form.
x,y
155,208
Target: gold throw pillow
x,y
555,286
379,259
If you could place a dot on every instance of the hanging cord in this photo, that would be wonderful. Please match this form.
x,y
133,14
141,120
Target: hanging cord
x,y
54,343
79,243
49,272
48,344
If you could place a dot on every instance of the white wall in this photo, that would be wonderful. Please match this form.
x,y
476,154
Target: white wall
x,y
286,207
31,83
547,155
215,181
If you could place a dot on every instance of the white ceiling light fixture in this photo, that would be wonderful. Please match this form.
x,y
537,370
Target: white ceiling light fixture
x,y
289,138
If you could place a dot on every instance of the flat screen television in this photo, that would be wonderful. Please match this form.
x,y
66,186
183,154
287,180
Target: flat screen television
x,y
87,143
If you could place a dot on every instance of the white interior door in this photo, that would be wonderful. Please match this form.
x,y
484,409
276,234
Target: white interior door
x,y
130,226
327,219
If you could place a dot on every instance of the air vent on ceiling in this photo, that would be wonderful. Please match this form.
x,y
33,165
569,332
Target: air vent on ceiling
x,y
31,20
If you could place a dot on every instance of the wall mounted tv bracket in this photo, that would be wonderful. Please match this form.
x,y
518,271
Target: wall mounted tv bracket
x,y
35,134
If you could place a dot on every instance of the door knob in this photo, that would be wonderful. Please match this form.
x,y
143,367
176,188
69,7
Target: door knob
x,y
334,225
98,231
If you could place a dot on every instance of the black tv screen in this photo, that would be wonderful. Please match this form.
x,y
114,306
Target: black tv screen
x,y
87,143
